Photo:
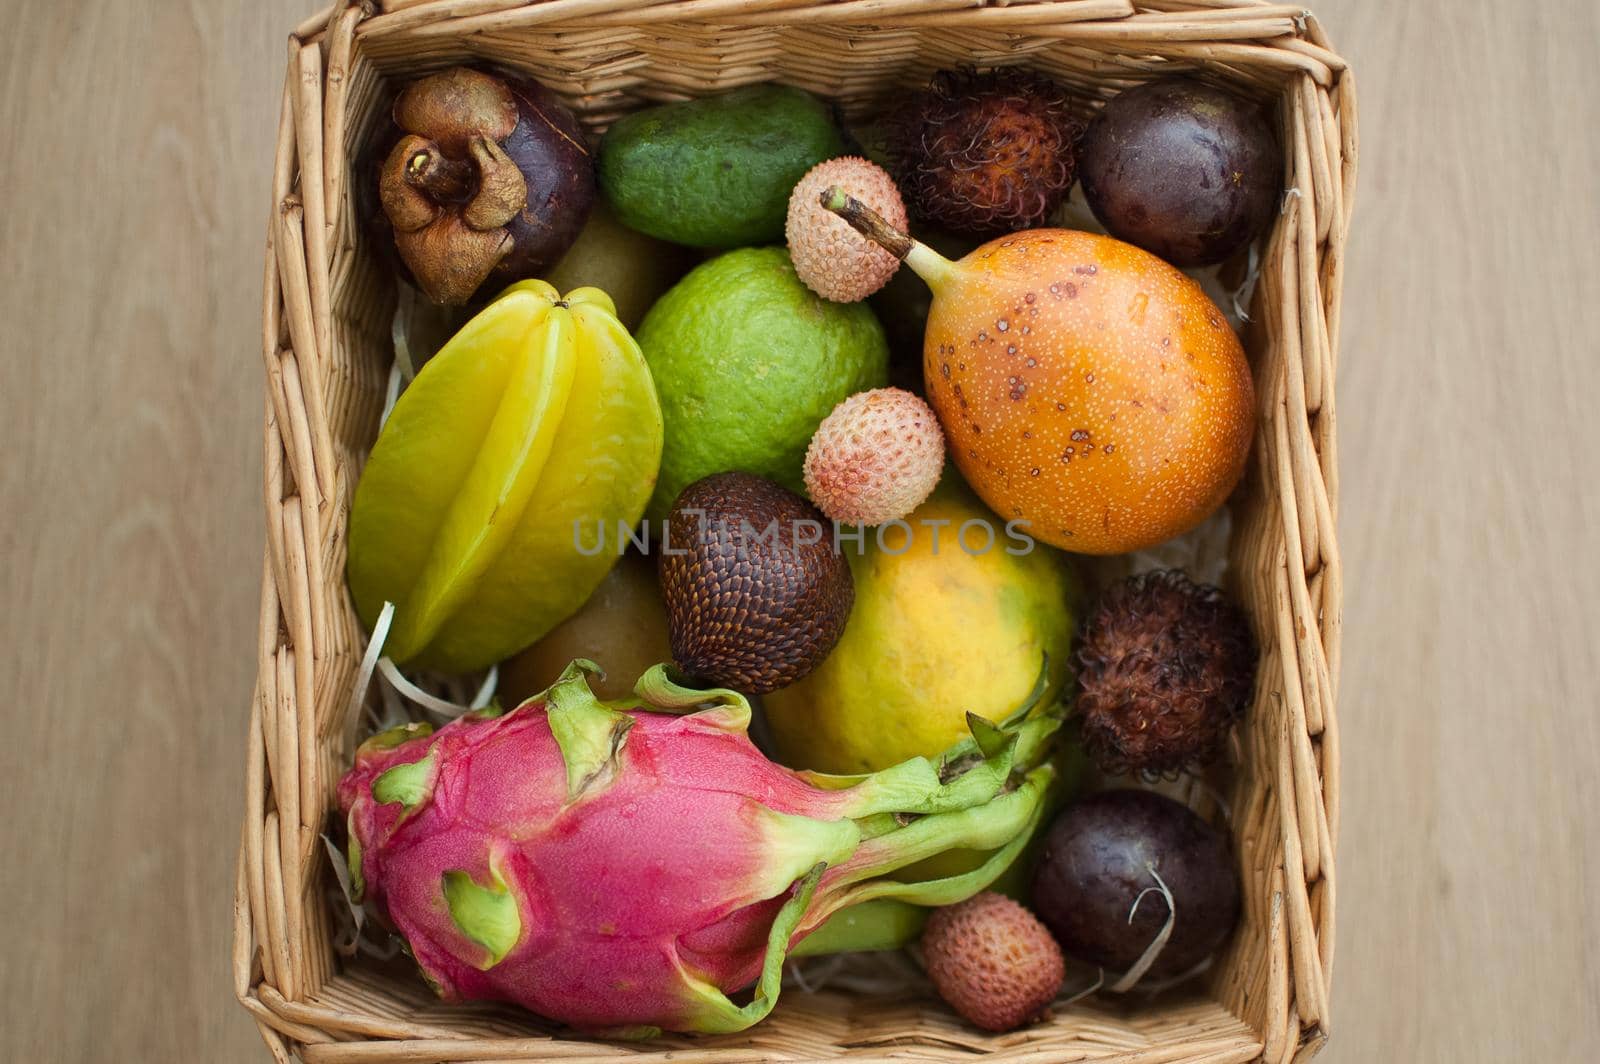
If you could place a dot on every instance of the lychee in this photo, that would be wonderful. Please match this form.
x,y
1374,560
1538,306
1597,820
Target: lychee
x,y
833,259
1165,667
875,458
992,961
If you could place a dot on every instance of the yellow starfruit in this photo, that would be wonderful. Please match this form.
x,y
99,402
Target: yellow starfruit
x,y
536,423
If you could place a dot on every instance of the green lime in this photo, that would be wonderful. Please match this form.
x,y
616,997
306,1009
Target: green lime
x,y
747,362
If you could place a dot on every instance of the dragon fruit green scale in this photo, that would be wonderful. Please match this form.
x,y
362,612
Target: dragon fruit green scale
x,y
623,867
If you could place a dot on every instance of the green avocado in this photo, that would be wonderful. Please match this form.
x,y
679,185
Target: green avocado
x,y
716,172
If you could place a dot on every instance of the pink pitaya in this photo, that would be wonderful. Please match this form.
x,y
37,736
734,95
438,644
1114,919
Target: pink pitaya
x,y
622,868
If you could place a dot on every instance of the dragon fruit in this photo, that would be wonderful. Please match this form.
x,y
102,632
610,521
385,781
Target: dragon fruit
x,y
623,867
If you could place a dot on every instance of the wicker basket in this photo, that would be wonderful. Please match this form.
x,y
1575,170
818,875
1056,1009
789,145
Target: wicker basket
x,y
326,347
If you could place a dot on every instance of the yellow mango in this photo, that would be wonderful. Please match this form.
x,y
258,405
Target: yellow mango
x,y
936,632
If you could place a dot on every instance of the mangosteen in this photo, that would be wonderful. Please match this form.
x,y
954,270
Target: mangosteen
x,y
756,595
479,180
1165,668
1117,865
984,154
1183,169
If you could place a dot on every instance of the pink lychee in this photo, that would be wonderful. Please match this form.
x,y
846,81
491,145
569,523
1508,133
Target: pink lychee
x,y
832,259
875,458
992,961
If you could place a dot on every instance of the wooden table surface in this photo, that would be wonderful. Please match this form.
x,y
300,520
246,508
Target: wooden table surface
x,y
138,141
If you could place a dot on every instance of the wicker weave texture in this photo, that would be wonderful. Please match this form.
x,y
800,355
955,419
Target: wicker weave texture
x,y
326,346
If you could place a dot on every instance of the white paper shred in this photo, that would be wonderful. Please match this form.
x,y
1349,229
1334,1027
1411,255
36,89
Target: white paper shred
x,y
486,690
1131,978
369,661
411,692
341,872
391,395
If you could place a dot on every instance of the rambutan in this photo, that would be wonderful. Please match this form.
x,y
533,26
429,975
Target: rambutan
x,y
985,154
1165,668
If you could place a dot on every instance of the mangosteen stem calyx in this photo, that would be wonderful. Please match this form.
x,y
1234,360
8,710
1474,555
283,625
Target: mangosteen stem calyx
x,y
928,264
445,180
502,190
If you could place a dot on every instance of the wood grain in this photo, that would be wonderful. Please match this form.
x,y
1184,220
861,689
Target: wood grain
x,y
1468,864
138,150
135,175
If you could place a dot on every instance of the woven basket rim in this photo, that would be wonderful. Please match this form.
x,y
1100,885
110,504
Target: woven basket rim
x,y
1270,993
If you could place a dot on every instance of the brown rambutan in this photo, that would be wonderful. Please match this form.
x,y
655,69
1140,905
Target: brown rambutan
x,y
985,154
1165,668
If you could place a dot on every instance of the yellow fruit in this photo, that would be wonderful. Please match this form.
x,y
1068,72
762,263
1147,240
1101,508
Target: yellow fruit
x,y
535,427
630,267
933,635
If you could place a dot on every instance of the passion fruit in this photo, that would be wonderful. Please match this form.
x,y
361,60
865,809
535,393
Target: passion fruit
x,y
1181,168
1118,865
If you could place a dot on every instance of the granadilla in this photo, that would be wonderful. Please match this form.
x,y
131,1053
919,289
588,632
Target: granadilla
x,y
623,867
1165,668
984,154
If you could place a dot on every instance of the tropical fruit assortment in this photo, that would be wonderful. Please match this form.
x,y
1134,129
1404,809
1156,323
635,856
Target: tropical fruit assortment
x,y
700,461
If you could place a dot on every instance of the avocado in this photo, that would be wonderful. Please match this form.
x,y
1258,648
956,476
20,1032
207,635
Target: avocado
x,y
716,172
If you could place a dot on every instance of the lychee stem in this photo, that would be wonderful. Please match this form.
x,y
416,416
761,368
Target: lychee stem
x,y
928,264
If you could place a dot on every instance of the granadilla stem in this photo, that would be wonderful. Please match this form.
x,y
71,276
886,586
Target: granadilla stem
x,y
931,266
866,221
